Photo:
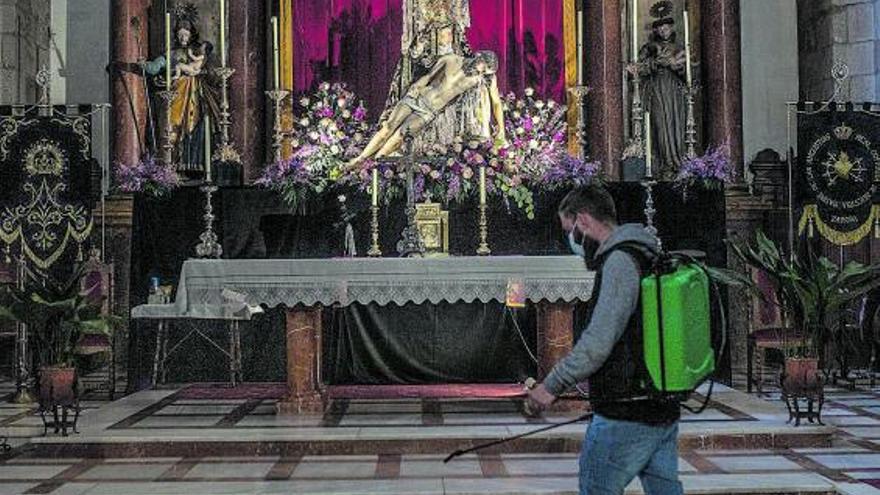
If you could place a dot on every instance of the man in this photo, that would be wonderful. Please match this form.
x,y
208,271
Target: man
x,y
451,77
631,434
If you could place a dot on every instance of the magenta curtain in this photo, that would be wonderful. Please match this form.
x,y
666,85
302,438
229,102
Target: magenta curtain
x,y
358,42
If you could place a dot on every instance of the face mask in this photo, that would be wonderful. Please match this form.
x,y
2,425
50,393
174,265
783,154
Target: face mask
x,y
576,248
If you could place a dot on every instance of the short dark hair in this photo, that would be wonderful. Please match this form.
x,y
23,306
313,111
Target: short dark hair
x,y
591,198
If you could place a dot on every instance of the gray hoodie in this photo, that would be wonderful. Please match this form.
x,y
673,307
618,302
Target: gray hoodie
x,y
618,298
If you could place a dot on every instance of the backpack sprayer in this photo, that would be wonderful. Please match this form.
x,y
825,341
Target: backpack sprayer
x,y
676,324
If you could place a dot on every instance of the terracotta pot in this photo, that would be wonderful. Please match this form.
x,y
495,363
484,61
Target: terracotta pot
x,y
56,386
801,374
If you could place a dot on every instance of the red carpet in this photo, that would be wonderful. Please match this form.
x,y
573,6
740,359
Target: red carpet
x,y
279,390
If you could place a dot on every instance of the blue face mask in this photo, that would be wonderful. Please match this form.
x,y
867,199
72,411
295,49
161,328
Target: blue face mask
x,y
576,248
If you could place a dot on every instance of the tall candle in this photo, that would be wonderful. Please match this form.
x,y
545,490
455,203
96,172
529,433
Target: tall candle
x,y
375,190
580,48
207,148
168,51
687,48
276,66
223,33
482,184
635,31
649,149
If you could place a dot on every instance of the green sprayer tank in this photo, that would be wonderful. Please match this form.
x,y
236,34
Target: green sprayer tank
x,y
678,354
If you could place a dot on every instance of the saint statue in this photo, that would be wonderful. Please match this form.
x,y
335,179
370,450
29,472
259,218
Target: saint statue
x,y
195,91
452,79
661,69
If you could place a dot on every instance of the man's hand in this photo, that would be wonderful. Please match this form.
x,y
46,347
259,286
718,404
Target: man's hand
x,y
539,399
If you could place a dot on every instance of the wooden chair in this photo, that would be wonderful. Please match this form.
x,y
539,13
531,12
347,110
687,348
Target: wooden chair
x,y
98,287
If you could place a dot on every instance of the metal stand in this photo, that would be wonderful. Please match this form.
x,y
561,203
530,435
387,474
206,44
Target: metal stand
x,y
580,94
636,146
226,152
22,356
650,211
690,136
410,244
277,96
484,250
167,144
374,251
209,247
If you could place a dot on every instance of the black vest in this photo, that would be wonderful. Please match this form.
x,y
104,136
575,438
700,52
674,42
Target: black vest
x,y
621,389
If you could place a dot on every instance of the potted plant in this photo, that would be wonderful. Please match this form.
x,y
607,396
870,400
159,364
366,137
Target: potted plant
x,y
812,292
58,314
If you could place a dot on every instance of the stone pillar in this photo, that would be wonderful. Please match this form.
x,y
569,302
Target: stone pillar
x,y
604,75
247,55
128,95
303,330
555,338
722,86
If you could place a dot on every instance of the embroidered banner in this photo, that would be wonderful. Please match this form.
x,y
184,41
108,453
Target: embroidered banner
x,y
839,169
45,169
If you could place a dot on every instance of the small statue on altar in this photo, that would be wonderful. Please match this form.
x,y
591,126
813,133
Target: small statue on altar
x,y
661,69
452,79
195,90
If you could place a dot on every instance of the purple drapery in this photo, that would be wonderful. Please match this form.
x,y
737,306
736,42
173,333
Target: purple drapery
x,y
358,42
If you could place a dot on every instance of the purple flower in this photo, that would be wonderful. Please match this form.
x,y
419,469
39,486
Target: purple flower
x,y
326,112
360,114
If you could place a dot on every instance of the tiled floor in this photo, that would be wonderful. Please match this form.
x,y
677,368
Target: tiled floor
x,y
218,462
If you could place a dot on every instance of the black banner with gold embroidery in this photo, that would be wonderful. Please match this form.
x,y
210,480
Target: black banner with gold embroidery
x,y
45,168
839,170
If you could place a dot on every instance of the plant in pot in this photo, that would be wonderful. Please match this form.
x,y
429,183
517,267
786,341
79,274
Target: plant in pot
x,y
57,313
812,292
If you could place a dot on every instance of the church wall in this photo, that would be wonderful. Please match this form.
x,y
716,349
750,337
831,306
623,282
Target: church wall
x,y
24,46
770,77
88,42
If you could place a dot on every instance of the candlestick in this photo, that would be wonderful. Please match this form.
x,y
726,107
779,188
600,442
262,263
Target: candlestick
x,y
687,48
375,190
168,51
207,148
223,33
648,147
580,48
276,66
375,251
635,31
482,184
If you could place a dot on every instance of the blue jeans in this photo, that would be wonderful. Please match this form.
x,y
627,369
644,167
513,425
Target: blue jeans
x,y
615,452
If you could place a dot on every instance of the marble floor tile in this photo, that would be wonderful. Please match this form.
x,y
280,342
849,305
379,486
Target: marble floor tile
x,y
221,470
202,409
542,467
356,420
139,471
435,467
29,472
550,485
754,463
863,431
853,421
333,469
177,421
848,461
476,418
15,488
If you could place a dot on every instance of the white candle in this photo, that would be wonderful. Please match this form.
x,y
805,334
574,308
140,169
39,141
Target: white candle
x,y
276,66
168,51
687,48
207,121
375,190
635,31
580,48
223,33
648,147
482,184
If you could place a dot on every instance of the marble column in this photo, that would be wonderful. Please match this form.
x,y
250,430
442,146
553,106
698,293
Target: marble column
x,y
723,76
555,339
128,96
303,330
247,55
604,76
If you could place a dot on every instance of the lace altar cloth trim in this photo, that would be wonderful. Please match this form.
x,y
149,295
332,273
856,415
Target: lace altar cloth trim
x,y
206,285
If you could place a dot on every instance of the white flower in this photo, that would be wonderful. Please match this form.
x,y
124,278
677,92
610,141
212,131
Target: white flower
x,y
517,115
325,86
551,104
358,137
314,135
467,173
333,127
304,122
533,144
536,119
530,91
295,143
539,104
342,102
346,114
305,102
520,130
341,198
335,149
435,174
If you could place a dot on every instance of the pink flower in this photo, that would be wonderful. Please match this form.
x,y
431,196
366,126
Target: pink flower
x,y
360,114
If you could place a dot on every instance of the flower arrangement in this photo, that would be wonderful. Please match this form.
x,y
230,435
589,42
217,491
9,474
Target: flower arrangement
x,y
146,176
710,171
537,130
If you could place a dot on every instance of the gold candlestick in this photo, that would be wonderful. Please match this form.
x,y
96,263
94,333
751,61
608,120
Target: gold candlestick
x,y
167,157
690,136
226,151
374,251
277,96
484,250
579,93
